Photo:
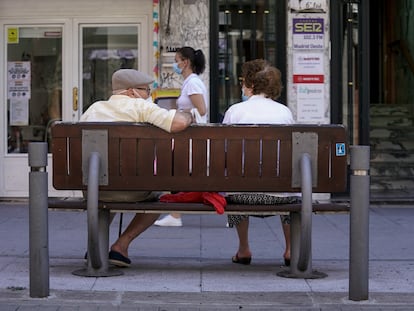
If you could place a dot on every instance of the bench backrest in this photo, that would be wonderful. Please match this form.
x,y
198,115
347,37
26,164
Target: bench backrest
x,y
209,157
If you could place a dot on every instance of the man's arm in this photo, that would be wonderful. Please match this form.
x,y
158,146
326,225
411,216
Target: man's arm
x,y
181,121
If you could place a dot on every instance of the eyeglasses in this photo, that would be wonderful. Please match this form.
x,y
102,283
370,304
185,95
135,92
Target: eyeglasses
x,y
148,90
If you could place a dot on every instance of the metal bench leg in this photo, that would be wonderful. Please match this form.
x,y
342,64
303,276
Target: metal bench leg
x,y
301,230
98,228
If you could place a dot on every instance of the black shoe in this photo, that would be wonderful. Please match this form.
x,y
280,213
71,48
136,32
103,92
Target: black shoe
x,y
119,260
241,260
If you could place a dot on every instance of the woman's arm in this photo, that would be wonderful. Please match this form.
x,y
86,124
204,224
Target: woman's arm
x,y
198,102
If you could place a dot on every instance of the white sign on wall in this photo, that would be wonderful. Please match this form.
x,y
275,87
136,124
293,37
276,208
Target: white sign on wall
x,y
308,77
308,68
308,33
307,5
310,101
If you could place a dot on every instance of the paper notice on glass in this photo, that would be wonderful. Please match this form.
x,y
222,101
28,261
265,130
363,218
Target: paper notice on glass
x,y
310,103
19,111
18,80
18,71
18,89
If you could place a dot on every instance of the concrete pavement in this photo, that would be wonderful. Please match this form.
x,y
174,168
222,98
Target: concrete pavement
x,y
189,268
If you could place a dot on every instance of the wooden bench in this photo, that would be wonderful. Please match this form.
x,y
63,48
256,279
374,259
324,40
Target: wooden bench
x,y
213,157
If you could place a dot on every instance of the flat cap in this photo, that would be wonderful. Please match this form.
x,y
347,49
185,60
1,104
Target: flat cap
x,y
123,79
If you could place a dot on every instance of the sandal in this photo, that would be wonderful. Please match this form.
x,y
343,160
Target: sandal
x,y
241,260
119,260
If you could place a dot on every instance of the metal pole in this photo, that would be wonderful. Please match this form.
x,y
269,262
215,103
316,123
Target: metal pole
x,y
92,211
38,221
364,70
350,69
305,259
359,223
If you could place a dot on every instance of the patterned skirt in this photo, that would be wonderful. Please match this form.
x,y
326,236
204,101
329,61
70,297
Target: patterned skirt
x,y
259,199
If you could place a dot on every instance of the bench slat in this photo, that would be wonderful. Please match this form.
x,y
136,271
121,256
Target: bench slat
x,y
60,204
199,158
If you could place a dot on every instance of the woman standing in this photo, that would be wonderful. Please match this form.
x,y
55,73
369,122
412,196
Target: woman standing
x,y
190,64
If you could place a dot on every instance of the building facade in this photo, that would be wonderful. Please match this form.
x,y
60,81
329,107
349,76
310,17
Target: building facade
x,y
340,61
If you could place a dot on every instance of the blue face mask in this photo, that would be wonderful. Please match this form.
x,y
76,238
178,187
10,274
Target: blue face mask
x,y
244,97
177,69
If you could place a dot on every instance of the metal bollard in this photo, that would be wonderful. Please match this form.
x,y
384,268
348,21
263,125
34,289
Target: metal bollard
x,y
38,221
359,223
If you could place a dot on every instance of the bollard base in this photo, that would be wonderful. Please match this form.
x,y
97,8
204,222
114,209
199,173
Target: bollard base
x,y
97,273
302,275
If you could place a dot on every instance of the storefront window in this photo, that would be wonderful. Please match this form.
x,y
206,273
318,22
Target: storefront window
x,y
34,84
105,49
247,30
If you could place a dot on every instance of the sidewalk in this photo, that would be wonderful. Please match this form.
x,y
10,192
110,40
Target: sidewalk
x,y
189,268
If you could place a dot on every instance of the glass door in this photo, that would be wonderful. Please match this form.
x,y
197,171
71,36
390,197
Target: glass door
x,y
34,84
31,94
55,72
105,49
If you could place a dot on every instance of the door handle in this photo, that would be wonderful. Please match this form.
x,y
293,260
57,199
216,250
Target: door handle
x,y
75,99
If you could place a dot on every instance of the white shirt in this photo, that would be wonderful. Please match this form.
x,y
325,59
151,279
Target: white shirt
x,y
125,108
192,85
260,110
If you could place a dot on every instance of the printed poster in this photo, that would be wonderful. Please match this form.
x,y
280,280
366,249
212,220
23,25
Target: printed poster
x,y
310,102
308,68
308,34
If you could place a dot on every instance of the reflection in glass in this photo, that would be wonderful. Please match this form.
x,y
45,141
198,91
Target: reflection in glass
x,y
105,50
34,84
247,30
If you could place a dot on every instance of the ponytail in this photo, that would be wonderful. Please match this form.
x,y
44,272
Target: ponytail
x,y
196,58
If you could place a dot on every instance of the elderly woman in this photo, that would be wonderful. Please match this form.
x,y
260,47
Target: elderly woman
x,y
261,86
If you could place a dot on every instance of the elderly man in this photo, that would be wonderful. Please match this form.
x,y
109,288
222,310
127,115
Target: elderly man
x,y
130,102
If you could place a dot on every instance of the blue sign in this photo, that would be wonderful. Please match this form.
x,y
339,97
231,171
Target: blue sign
x,y
340,149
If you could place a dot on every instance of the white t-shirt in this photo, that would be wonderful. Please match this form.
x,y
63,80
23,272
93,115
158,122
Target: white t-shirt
x,y
125,108
260,110
192,85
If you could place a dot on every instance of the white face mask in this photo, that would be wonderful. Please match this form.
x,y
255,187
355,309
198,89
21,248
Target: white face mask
x,y
137,95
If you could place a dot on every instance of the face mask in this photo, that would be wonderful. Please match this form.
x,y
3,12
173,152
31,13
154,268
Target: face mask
x,y
137,95
177,69
244,97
